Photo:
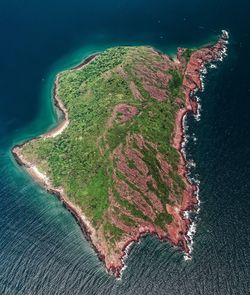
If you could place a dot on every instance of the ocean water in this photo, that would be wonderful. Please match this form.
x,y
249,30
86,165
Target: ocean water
x,y
42,249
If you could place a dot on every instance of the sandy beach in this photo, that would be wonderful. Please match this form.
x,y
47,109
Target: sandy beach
x,y
189,199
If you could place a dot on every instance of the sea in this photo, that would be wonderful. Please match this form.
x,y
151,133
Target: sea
x,y
42,249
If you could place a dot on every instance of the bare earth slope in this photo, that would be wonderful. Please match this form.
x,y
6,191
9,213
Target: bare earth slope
x,y
116,160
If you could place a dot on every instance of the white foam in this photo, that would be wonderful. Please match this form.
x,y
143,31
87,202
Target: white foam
x,y
213,66
223,53
190,164
194,179
225,34
193,226
203,70
187,257
202,78
197,116
190,236
124,257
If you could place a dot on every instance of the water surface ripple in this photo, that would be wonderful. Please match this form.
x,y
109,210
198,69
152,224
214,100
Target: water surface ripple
x,y
42,249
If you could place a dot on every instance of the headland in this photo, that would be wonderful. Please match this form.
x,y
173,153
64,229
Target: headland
x,y
116,160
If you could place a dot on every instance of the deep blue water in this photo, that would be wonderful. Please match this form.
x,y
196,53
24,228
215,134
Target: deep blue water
x,y
42,250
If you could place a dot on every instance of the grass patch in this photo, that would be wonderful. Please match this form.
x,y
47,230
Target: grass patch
x,y
112,232
163,219
175,83
74,159
187,53
127,220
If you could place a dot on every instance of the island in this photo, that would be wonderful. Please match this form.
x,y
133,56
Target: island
x,y
116,160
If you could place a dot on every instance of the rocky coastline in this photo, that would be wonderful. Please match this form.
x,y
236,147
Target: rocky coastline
x,y
192,83
179,228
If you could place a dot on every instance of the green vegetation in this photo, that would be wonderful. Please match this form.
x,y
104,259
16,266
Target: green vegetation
x,y
80,159
127,220
187,53
154,170
130,207
175,83
113,233
163,219
131,164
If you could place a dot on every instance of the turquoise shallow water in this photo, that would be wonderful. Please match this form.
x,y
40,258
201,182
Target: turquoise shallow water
x,y
42,249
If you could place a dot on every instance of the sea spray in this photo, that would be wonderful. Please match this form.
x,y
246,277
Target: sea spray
x,y
187,214
190,164
197,116
124,258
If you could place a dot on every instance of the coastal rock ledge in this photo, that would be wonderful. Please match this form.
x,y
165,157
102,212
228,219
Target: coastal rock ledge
x,y
116,159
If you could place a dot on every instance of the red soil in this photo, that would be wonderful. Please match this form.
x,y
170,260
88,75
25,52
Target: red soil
x,y
128,161
178,228
122,113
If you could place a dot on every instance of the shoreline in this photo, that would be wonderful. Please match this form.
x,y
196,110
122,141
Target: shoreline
x,y
189,199
189,204
85,61
59,104
192,106
42,179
